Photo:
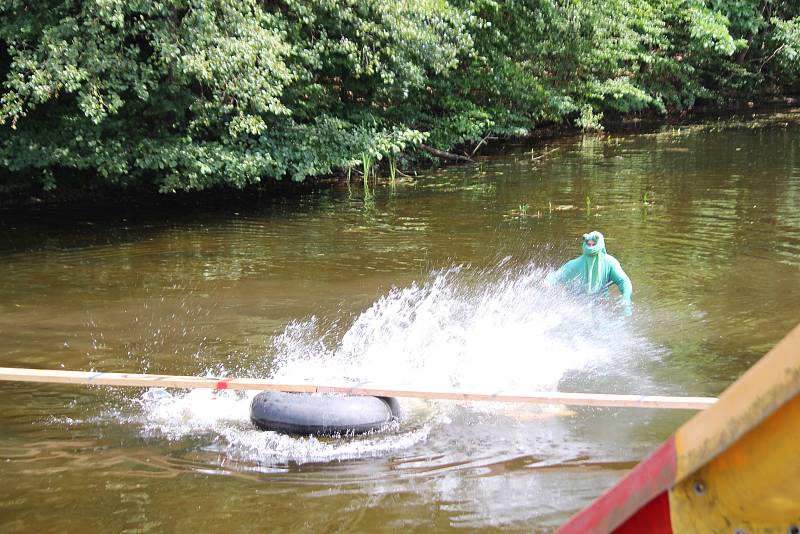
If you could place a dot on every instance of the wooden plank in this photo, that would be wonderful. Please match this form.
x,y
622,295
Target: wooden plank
x,y
366,388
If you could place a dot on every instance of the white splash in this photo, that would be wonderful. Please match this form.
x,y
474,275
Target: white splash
x,y
496,330
225,415
487,331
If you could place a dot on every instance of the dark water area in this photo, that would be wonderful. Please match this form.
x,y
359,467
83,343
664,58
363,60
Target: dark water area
x,y
433,282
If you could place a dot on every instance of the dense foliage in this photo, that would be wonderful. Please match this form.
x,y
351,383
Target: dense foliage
x,y
187,94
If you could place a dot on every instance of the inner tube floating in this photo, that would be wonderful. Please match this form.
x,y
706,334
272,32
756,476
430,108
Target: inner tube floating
x,y
321,414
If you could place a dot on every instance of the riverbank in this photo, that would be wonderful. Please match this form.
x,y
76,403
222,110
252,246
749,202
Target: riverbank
x,y
236,95
72,202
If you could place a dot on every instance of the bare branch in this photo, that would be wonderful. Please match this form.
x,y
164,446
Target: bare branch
x,y
775,53
445,155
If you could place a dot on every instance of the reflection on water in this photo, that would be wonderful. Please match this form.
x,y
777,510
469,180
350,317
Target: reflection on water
x,y
435,282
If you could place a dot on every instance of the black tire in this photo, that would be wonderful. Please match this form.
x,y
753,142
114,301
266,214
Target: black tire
x,y
394,406
304,413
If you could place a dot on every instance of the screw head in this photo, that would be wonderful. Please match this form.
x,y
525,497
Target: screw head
x,y
699,487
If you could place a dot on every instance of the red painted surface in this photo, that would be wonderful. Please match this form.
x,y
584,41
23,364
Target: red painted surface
x,y
222,384
653,518
643,484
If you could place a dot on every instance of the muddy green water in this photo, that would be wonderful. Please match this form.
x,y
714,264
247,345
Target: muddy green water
x,y
431,282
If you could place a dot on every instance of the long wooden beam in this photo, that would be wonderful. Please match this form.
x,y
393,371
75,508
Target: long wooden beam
x,y
95,378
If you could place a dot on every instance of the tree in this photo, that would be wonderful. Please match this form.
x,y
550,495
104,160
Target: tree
x,y
190,94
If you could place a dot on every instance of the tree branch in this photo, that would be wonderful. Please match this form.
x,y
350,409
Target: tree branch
x,y
540,156
482,141
775,53
445,155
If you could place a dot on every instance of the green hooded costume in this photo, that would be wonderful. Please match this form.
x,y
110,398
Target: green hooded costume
x,y
594,271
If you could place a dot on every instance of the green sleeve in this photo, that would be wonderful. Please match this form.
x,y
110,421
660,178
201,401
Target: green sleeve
x,y
624,284
566,273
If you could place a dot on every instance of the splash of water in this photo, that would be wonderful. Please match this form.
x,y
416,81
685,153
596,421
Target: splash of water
x,y
501,329
225,415
488,330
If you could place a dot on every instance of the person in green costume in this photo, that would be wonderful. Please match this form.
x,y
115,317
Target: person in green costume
x,y
594,271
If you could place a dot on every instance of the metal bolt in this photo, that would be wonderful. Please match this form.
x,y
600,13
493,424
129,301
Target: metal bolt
x,y
740,531
794,529
699,488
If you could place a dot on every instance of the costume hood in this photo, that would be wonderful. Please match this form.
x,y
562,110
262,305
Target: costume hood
x,y
594,262
599,245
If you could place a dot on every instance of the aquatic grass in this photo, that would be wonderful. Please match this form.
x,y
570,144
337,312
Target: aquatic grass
x,y
366,161
523,209
588,204
369,206
392,169
367,190
392,173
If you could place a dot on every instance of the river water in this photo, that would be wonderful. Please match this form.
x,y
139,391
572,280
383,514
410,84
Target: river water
x,y
431,283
